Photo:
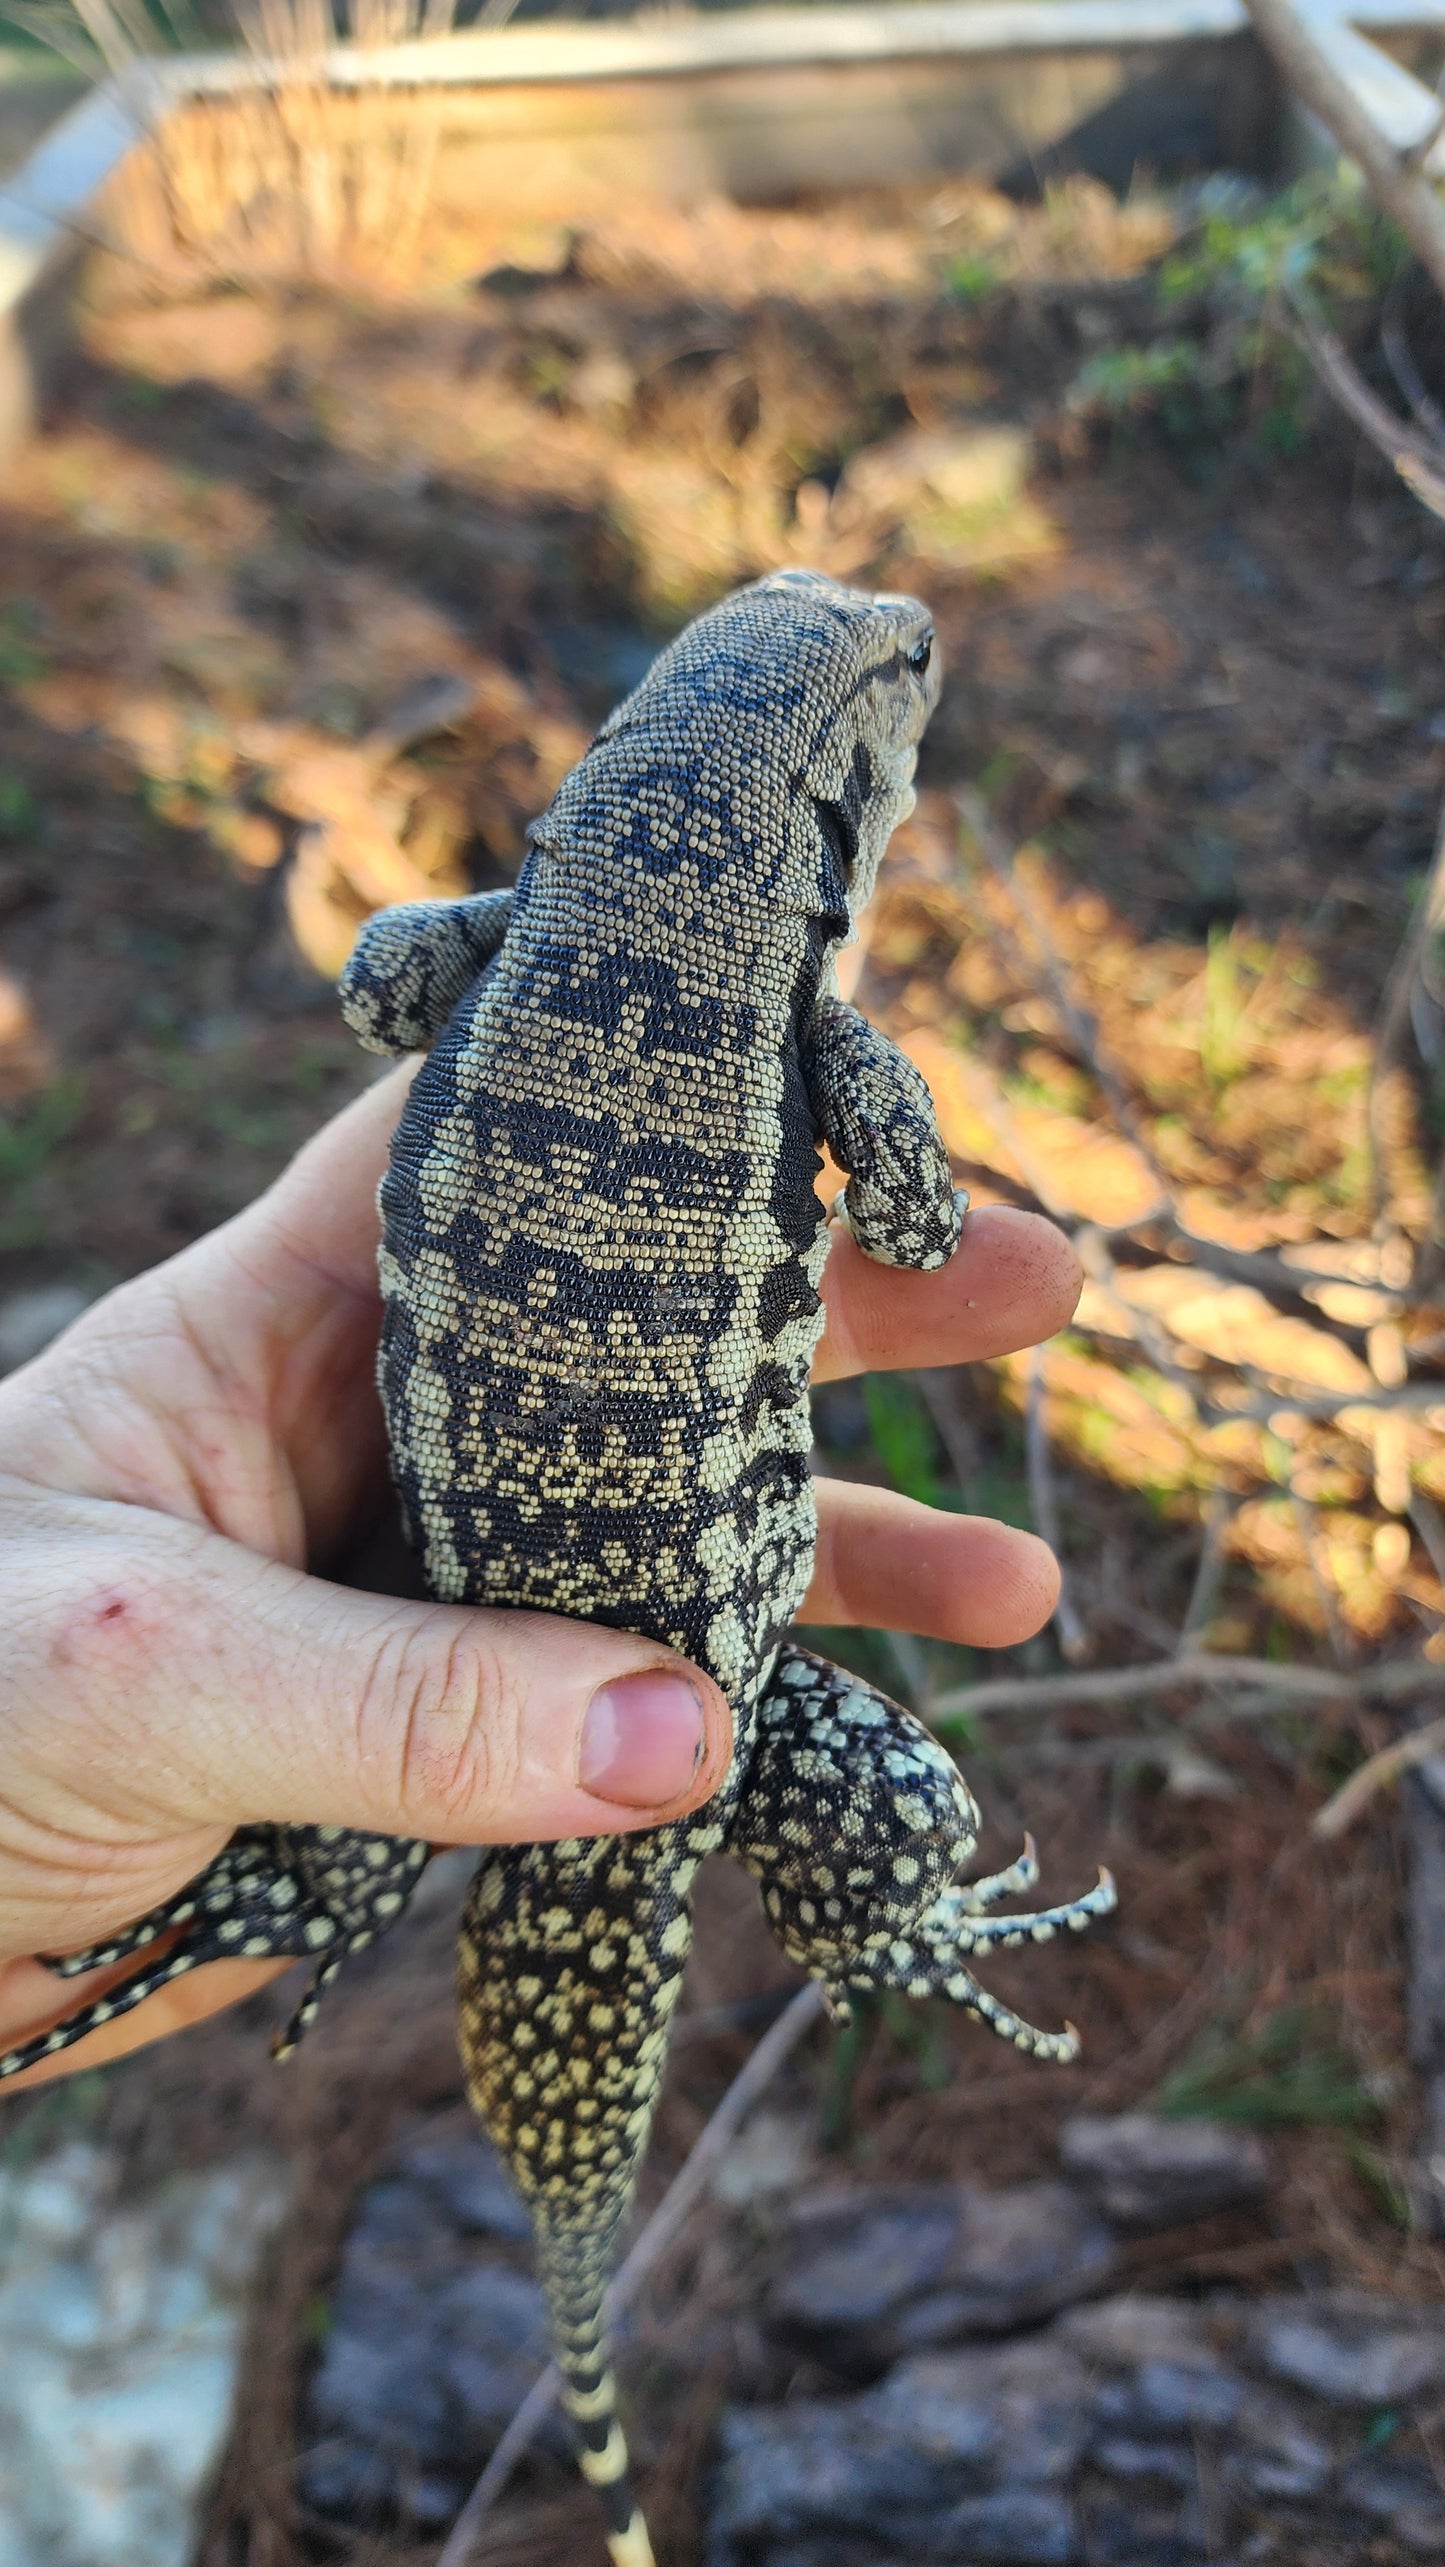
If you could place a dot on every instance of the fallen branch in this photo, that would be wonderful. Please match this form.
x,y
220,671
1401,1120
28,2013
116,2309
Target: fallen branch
x,y
1396,1680
1375,1776
1256,1266
1430,1525
1419,460
686,2188
1408,197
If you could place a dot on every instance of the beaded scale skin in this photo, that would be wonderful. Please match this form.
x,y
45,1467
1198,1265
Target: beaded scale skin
x,y
600,1262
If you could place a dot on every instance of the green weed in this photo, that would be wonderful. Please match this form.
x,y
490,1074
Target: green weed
x,y
28,1143
1223,355
1225,1048
971,280
28,1140
18,814
22,658
1391,2199
1289,2072
903,1436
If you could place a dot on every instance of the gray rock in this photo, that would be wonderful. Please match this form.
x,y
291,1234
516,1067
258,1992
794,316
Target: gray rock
x,y
418,2377
121,2325
1402,2495
1275,2458
1348,2350
1165,2463
1144,2170
462,2174
959,2455
1032,2392
30,1320
864,2278
434,2338
832,2465
1018,2527
1171,2397
1136,2327
1131,2533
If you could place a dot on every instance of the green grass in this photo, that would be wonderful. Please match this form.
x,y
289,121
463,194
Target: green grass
x,y
972,280
1288,2073
903,1437
22,657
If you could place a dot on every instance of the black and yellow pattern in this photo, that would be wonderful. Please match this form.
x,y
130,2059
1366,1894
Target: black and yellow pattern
x,y
601,1257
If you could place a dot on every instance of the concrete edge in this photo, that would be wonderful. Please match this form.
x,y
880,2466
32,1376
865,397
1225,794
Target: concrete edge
x,y
43,204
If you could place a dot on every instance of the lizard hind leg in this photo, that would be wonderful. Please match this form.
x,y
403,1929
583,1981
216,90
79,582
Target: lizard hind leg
x,y
272,1893
854,1820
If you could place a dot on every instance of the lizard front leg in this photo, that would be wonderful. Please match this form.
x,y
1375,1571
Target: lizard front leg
x,y
876,1115
854,1820
411,964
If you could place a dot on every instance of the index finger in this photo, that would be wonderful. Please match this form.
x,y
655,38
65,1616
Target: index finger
x,y
1012,1280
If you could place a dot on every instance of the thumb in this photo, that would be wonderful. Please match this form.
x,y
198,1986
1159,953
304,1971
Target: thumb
x,y
259,1693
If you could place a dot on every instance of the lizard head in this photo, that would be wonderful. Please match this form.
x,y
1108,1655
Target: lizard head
x,y
872,706
785,722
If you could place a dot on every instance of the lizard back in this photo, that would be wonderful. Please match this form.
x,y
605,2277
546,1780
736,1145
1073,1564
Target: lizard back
x,y
602,1240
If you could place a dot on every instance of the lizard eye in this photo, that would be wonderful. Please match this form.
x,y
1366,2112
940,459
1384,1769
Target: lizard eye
x,y
921,654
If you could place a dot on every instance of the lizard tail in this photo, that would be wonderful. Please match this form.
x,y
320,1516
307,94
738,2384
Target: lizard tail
x,y
576,2293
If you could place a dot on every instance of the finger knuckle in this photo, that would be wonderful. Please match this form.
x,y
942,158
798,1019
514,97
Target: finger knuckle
x,y
449,1719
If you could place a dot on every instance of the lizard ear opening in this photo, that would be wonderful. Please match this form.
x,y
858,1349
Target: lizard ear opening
x,y
838,828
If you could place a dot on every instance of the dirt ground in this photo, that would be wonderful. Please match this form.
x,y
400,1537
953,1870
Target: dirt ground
x,y
308,596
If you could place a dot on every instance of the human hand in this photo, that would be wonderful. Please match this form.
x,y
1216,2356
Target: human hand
x,y
170,1671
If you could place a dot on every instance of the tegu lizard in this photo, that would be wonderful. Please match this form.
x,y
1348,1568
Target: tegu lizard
x,y
601,1253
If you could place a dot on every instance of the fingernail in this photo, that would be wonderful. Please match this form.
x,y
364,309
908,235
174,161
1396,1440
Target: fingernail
x,y
642,1740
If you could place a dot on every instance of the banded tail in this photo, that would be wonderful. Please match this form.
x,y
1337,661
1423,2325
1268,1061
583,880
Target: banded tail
x,y
575,2281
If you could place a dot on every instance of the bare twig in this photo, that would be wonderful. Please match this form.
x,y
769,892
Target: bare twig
x,y
1082,1029
1394,1013
1399,357
1150,1331
1255,1266
1044,1507
1275,1394
1409,198
1375,1775
685,2190
1209,1575
1309,1532
1430,1525
1418,460
1396,1680
1430,1260
937,1387
910,1669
